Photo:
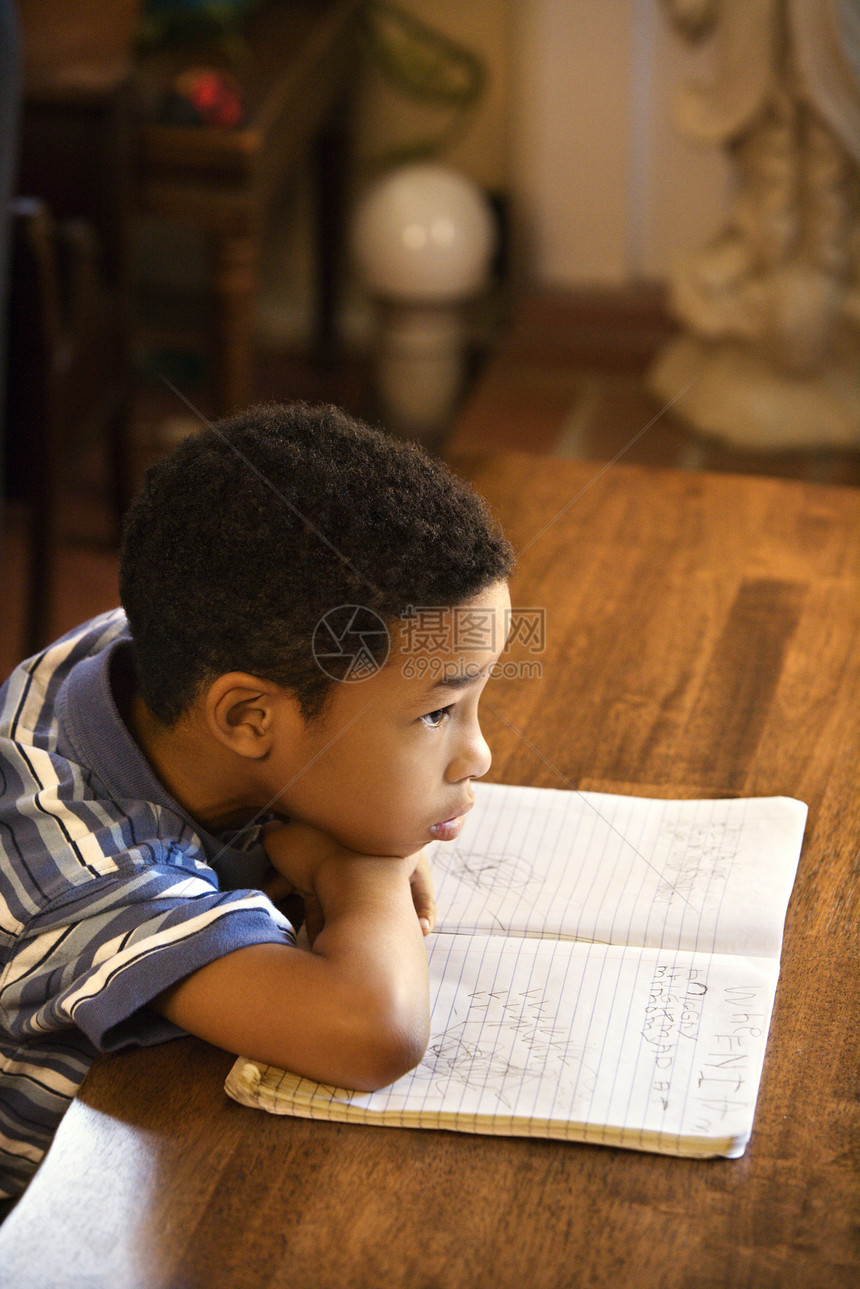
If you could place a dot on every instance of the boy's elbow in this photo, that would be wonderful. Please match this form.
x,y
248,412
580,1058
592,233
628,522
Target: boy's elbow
x,y
396,1055
393,1043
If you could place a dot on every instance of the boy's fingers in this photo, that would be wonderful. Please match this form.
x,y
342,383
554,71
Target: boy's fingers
x,y
426,910
314,920
276,886
285,897
422,895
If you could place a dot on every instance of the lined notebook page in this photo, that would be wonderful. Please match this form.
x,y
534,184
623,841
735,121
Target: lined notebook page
x,y
581,1042
710,875
610,1037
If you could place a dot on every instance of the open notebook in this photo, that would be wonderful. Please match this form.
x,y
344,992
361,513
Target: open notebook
x,y
603,970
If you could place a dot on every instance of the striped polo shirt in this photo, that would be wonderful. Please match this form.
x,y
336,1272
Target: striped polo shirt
x,y
109,891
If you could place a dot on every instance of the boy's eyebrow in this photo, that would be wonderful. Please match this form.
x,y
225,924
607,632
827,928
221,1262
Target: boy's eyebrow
x,y
456,680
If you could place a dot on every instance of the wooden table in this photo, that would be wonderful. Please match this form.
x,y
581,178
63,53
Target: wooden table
x,y
298,69
701,639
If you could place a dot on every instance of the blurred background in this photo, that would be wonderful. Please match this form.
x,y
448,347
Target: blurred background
x,y
625,231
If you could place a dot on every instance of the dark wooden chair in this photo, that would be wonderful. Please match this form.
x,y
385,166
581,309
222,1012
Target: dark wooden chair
x,y
32,395
65,382
68,315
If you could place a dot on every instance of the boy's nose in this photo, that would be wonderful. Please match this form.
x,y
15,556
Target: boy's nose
x,y
472,761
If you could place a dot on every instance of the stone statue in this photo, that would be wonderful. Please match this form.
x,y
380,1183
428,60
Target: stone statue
x,y
771,307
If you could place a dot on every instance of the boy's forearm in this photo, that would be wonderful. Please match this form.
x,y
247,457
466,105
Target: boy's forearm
x,y
372,939
353,1012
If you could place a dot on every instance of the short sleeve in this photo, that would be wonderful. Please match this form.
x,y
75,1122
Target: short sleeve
x,y
96,960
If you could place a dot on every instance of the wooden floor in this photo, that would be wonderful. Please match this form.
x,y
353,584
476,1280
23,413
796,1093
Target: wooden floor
x,y
568,378
565,378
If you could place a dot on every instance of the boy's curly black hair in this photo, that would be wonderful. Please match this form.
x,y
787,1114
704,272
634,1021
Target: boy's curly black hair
x,y
253,529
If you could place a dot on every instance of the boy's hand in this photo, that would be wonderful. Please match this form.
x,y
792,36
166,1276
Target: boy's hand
x,y
423,896
297,851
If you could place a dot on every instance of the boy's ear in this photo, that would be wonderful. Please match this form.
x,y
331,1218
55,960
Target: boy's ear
x,y
245,712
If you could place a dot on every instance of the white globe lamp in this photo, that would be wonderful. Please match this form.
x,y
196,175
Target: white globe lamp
x,y
422,241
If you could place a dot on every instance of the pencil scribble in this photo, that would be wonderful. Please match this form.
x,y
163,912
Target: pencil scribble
x,y
503,1043
499,872
698,857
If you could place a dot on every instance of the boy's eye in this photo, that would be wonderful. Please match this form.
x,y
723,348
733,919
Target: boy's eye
x,y
436,718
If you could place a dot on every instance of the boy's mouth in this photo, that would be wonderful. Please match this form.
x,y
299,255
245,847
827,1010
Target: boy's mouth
x,y
448,829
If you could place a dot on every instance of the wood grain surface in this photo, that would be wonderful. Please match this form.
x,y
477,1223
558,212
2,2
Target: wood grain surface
x,y
701,640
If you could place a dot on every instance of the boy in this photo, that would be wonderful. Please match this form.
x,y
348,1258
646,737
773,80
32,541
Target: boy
x,y
166,764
